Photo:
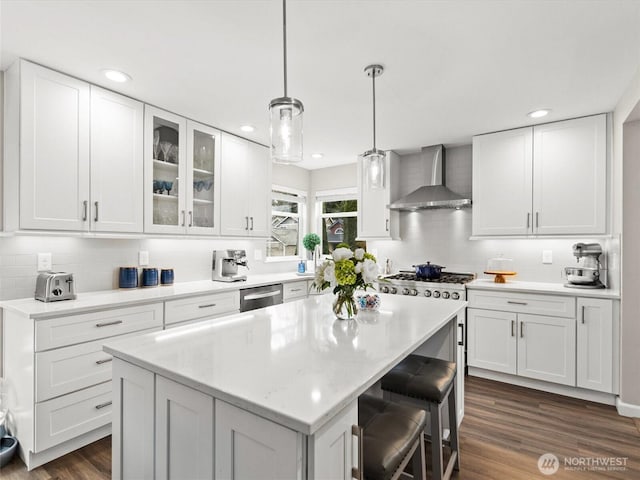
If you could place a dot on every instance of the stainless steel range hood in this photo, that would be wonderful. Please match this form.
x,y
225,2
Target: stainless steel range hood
x,y
433,194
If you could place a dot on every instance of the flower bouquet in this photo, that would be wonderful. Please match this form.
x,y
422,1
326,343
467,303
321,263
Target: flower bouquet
x,y
346,271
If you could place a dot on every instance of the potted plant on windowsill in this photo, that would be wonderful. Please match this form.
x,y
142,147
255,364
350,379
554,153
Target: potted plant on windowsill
x,y
311,242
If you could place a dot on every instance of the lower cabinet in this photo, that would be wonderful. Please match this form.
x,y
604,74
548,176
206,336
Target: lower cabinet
x,y
295,290
194,435
595,345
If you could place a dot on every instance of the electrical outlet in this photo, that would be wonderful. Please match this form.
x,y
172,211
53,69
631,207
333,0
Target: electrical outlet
x,y
44,262
143,258
547,256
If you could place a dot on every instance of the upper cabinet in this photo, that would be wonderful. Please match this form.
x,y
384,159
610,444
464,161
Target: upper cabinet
x,y
548,179
245,189
182,181
375,220
73,154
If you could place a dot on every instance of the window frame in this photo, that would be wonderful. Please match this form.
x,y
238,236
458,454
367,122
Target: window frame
x,y
339,194
289,194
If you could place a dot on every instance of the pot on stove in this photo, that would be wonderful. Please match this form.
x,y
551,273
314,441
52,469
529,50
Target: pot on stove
x,y
428,271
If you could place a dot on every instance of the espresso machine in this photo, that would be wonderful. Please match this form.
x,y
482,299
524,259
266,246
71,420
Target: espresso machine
x,y
225,265
589,272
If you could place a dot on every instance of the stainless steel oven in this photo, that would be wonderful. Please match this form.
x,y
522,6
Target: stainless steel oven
x,y
259,297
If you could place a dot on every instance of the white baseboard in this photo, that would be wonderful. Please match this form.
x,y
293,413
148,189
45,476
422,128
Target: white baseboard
x,y
574,392
627,409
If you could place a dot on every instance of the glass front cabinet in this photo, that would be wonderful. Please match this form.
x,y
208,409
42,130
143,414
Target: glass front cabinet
x,y
181,175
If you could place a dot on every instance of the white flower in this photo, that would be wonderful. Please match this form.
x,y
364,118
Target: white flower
x,y
359,253
319,277
330,274
342,253
369,270
358,267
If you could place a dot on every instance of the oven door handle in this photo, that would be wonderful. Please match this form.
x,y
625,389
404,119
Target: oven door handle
x,y
258,296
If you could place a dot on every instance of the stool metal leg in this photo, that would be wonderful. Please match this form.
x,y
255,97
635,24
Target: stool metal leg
x,y
453,426
436,440
419,461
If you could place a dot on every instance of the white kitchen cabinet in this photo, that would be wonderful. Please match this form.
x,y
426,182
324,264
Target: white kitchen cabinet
x,y
249,446
184,432
47,153
547,348
295,290
524,179
116,203
491,341
76,154
595,344
375,220
201,307
245,188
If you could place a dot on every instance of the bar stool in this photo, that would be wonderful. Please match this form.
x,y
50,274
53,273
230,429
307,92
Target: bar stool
x,y
390,436
430,380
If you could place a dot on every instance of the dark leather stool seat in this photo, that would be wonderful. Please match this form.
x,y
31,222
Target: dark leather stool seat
x,y
421,377
430,380
391,433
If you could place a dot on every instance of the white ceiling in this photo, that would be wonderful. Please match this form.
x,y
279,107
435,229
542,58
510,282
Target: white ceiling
x,y
452,68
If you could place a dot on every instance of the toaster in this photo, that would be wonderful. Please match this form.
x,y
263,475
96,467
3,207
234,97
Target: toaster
x,y
54,286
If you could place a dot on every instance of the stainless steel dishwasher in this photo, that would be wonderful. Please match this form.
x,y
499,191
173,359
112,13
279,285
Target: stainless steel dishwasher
x,y
259,297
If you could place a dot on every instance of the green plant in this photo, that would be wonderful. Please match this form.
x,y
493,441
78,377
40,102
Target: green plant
x,y
311,241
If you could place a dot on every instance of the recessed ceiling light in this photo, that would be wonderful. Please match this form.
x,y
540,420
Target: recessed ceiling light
x,y
539,113
317,155
248,128
116,76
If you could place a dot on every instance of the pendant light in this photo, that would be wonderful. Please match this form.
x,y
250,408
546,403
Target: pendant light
x,y
374,159
286,116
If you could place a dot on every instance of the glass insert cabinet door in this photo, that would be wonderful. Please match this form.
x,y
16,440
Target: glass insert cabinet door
x,y
203,152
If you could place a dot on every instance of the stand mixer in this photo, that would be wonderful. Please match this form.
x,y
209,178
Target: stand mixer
x,y
588,274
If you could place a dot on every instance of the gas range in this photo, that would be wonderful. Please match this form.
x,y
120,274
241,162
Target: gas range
x,y
449,286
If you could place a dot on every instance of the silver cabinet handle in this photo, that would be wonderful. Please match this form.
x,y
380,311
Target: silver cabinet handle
x,y
513,328
386,224
85,212
190,218
183,218
104,360
105,404
461,342
537,215
246,220
582,314
521,329
209,305
251,224
106,324
528,218
258,296
95,219
356,472
517,303
296,289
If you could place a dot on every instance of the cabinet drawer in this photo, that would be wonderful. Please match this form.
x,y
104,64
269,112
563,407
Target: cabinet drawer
x,y
202,306
552,305
72,415
294,290
65,370
72,329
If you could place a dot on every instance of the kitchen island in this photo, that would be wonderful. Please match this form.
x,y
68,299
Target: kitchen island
x,y
265,394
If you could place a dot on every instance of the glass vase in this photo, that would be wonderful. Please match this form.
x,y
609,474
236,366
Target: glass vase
x,y
344,306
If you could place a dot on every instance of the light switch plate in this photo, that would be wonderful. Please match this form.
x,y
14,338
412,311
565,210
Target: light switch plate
x,y
143,258
547,256
44,262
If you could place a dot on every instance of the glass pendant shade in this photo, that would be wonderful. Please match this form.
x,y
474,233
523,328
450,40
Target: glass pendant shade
x,y
374,161
286,130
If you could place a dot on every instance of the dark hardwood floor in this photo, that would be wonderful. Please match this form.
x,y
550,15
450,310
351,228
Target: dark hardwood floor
x,y
504,432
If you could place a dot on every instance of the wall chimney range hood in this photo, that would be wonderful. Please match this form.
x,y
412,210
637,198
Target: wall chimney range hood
x,y
433,194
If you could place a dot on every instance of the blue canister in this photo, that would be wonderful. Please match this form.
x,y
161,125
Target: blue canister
x,y
128,277
149,277
166,276
302,266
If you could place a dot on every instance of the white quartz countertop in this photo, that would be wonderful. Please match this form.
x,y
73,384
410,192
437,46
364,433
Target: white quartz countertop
x,y
540,287
294,364
132,296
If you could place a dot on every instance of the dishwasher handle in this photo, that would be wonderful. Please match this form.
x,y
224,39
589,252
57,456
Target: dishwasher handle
x,y
258,296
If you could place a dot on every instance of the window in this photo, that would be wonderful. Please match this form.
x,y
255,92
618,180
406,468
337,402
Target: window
x,y
338,219
287,215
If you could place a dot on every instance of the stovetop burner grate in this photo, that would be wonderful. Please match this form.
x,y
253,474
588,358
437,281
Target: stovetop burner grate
x,y
445,277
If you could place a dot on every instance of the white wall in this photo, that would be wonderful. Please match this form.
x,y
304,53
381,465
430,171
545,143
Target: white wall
x,y
291,176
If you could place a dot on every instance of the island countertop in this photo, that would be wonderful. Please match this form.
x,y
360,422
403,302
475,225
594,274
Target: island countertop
x,y
294,364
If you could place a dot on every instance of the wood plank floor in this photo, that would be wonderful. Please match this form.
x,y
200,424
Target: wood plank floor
x,y
504,432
